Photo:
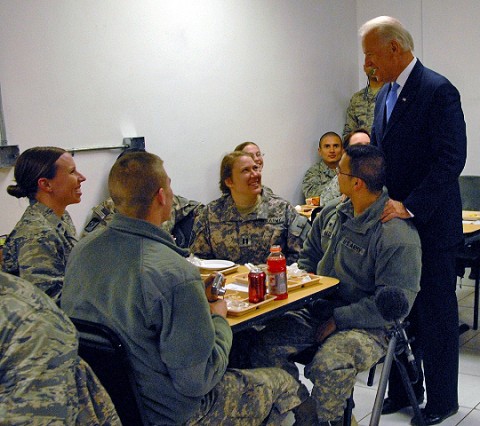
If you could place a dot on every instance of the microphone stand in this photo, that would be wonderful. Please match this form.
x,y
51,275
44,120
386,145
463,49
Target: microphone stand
x,y
396,345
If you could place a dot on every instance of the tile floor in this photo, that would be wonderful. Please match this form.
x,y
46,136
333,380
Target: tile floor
x,y
469,377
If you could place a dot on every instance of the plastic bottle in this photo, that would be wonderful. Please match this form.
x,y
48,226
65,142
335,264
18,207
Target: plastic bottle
x,y
277,273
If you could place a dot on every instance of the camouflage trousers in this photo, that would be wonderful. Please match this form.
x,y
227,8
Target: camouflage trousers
x,y
332,367
261,396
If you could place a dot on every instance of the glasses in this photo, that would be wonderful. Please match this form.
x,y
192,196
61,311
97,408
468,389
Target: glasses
x,y
338,172
259,154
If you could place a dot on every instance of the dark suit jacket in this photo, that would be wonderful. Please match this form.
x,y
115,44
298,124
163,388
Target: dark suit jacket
x,y
425,147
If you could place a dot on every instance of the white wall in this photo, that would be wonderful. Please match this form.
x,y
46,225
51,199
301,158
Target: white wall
x,y
197,77
194,77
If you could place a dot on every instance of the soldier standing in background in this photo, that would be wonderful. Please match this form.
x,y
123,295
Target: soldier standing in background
x,y
362,104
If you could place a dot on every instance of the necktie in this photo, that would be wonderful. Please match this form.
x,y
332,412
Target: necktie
x,y
391,98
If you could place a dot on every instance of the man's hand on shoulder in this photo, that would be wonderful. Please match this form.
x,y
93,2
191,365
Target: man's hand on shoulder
x,y
394,209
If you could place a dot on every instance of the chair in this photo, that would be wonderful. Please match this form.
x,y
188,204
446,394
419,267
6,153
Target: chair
x,y
470,192
315,212
105,352
468,255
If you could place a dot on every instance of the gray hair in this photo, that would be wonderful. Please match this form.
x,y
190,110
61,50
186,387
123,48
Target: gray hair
x,y
388,28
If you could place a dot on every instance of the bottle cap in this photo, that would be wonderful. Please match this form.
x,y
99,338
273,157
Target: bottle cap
x,y
274,249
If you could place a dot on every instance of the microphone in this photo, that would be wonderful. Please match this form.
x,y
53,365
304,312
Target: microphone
x,y
392,304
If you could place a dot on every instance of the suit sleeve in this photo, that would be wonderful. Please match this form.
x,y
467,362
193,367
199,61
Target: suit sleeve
x,y
447,132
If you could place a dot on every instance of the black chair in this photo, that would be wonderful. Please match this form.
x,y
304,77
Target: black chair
x,y
105,352
468,255
470,192
315,212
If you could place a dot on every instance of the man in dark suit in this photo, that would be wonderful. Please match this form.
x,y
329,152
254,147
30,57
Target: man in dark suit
x,y
423,138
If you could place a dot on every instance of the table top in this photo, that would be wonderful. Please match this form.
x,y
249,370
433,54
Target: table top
x,y
296,299
305,209
471,221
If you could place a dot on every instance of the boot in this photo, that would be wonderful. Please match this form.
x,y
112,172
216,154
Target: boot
x,y
306,414
340,422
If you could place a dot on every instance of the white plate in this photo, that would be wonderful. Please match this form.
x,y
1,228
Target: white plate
x,y
216,264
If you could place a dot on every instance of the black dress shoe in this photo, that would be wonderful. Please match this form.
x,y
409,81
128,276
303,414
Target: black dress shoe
x,y
433,418
391,406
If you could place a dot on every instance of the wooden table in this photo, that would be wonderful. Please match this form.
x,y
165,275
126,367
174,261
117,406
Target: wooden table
x,y
296,299
306,210
471,221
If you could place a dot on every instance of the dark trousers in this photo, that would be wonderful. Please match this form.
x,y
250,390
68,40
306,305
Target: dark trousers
x,y
434,325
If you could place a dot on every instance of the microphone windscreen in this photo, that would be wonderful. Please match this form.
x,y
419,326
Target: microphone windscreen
x,y
392,303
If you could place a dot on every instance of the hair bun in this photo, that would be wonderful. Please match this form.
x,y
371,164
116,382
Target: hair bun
x,y
16,191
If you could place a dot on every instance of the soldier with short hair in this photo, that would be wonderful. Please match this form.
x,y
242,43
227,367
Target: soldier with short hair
x,y
179,225
138,282
345,332
332,190
321,173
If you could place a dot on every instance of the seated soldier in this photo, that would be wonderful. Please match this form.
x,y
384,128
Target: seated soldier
x,y
320,174
345,333
332,190
43,380
254,149
38,247
139,283
179,225
245,222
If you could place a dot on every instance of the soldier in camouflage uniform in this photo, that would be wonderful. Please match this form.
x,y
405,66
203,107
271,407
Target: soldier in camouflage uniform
x,y
179,225
362,105
345,334
320,174
245,222
155,299
38,247
43,380
332,190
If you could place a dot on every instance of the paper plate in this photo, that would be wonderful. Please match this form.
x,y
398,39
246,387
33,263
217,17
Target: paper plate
x,y
216,264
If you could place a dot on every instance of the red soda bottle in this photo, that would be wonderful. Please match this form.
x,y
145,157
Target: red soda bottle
x,y
277,273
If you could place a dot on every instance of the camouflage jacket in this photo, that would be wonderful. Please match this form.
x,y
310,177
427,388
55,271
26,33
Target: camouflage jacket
x,y
179,225
38,248
316,179
330,192
43,381
220,232
360,111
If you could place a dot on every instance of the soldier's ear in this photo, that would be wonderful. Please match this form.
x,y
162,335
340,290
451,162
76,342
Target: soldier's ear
x,y
160,196
44,185
229,182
